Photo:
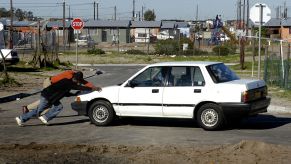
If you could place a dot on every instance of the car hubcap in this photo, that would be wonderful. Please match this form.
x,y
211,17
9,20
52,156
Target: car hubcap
x,y
100,114
209,117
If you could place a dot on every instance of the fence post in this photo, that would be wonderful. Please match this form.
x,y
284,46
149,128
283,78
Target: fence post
x,y
266,64
286,86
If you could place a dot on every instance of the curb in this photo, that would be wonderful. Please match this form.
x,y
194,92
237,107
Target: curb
x,y
279,109
18,96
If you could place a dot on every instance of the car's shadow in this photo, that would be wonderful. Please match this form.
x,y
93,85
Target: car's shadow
x,y
262,122
259,122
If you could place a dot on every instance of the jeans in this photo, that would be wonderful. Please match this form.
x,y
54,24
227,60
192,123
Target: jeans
x,y
52,113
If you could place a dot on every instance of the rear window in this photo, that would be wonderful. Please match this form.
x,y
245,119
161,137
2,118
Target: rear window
x,y
221,73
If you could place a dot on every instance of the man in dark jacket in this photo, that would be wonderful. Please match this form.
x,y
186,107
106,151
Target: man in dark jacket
x,y
51,96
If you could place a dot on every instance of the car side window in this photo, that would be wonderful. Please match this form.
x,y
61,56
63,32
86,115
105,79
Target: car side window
x,y
149,78
198,78
182,76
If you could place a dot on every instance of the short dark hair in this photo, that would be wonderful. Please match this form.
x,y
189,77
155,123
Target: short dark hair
x,y
78,76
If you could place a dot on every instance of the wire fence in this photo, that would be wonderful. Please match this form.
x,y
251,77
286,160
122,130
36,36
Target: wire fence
x,y
277,67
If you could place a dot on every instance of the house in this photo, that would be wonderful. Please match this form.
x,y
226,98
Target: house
x,y
184,28
145,31
168,30
279,28
108,30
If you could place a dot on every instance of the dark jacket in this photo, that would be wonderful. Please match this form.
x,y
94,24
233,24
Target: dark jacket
x,y
57,91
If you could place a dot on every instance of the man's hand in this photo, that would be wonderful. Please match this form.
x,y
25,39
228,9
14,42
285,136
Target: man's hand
x,y
99,89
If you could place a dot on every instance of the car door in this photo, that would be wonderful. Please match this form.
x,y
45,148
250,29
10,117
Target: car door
x,y
180,98
142,96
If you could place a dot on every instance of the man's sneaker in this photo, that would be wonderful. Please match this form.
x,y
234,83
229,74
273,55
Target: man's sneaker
x,y
18,121
43,120
24,109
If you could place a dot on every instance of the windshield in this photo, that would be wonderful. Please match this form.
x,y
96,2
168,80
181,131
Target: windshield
x,y
221,73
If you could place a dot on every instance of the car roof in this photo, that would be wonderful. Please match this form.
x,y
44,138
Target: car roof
x,y
185,63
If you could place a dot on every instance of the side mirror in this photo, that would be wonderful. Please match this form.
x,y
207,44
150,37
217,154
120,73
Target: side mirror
x,y
132,83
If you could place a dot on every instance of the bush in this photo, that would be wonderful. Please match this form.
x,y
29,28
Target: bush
x,y
134,52
221,50
197,52
167,47
232,47
96,51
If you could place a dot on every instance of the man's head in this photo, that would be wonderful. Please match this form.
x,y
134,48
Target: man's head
x,y
78,76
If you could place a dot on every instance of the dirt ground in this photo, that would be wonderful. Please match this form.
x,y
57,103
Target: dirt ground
x,y
244,152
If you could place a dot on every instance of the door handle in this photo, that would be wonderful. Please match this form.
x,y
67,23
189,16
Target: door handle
x,y
197,90
155,90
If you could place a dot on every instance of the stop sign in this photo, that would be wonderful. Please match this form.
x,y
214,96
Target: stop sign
x,y
77,24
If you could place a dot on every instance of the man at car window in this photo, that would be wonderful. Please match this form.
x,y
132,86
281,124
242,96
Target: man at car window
x,y
51,96
54,79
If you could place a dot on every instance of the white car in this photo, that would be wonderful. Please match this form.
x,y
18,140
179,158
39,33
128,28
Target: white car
x,y
208,92
11,56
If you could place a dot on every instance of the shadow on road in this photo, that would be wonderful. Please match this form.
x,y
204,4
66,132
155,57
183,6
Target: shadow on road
x,y
262,122
70,122
162,122
259,122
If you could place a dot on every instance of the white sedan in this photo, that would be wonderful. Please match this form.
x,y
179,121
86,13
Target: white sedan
x,y
208,92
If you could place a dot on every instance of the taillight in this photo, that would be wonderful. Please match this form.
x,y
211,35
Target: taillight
x,y
245,96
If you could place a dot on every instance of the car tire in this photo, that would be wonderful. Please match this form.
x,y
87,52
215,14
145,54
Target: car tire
x,y
210,117
101,113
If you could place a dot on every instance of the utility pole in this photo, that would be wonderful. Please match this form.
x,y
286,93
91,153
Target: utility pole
x,y
114,12
248,17
11,26
64,25
97,11
197,12
133,9
142,13
139,16
239,13
94,7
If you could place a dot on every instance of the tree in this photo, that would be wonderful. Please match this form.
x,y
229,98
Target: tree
x,y
150,15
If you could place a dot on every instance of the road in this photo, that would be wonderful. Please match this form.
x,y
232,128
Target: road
x,y
70,128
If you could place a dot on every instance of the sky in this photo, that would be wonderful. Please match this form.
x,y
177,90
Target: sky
x,y
164,9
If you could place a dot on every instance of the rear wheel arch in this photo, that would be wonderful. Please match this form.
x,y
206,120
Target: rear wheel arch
x,y
198,106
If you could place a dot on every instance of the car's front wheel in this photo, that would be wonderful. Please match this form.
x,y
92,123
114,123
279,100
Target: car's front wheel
x,y
101,113
210,117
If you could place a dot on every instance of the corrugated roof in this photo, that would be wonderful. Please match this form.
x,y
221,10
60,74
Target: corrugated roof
x,y
182,24
146,24
168,25
107,23
276,22
58,24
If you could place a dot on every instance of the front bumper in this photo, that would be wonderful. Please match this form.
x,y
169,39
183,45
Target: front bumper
x,y
246,109
80,107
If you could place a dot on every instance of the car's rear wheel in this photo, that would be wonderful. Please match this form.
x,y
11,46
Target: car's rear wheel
x,y
101,113
210,117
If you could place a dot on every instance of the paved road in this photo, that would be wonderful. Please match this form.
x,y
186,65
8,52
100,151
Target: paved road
x,y
70,128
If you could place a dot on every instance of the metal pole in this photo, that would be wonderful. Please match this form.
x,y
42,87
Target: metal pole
x,y
11,26
64,25
77,49
260,35
97,11
94,6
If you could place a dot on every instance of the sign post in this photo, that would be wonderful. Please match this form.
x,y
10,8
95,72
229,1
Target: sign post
x,y
260,14
77,24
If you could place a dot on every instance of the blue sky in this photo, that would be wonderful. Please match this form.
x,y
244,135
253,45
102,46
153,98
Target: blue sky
x,y
164,9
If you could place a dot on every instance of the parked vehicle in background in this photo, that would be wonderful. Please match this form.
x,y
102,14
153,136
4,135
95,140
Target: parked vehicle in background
x,y
85,40
11,56
208,92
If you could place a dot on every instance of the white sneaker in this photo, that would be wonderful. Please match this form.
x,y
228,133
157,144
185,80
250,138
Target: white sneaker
x,y
43,120
18,121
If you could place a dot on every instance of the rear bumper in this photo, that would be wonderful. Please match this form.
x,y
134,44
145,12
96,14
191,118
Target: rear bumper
x,y
246,109
80,107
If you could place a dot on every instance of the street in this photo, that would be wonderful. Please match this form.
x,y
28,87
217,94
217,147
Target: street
x,y
70,128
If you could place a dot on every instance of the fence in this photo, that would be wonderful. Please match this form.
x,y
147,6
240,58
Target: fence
x,y
277,67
